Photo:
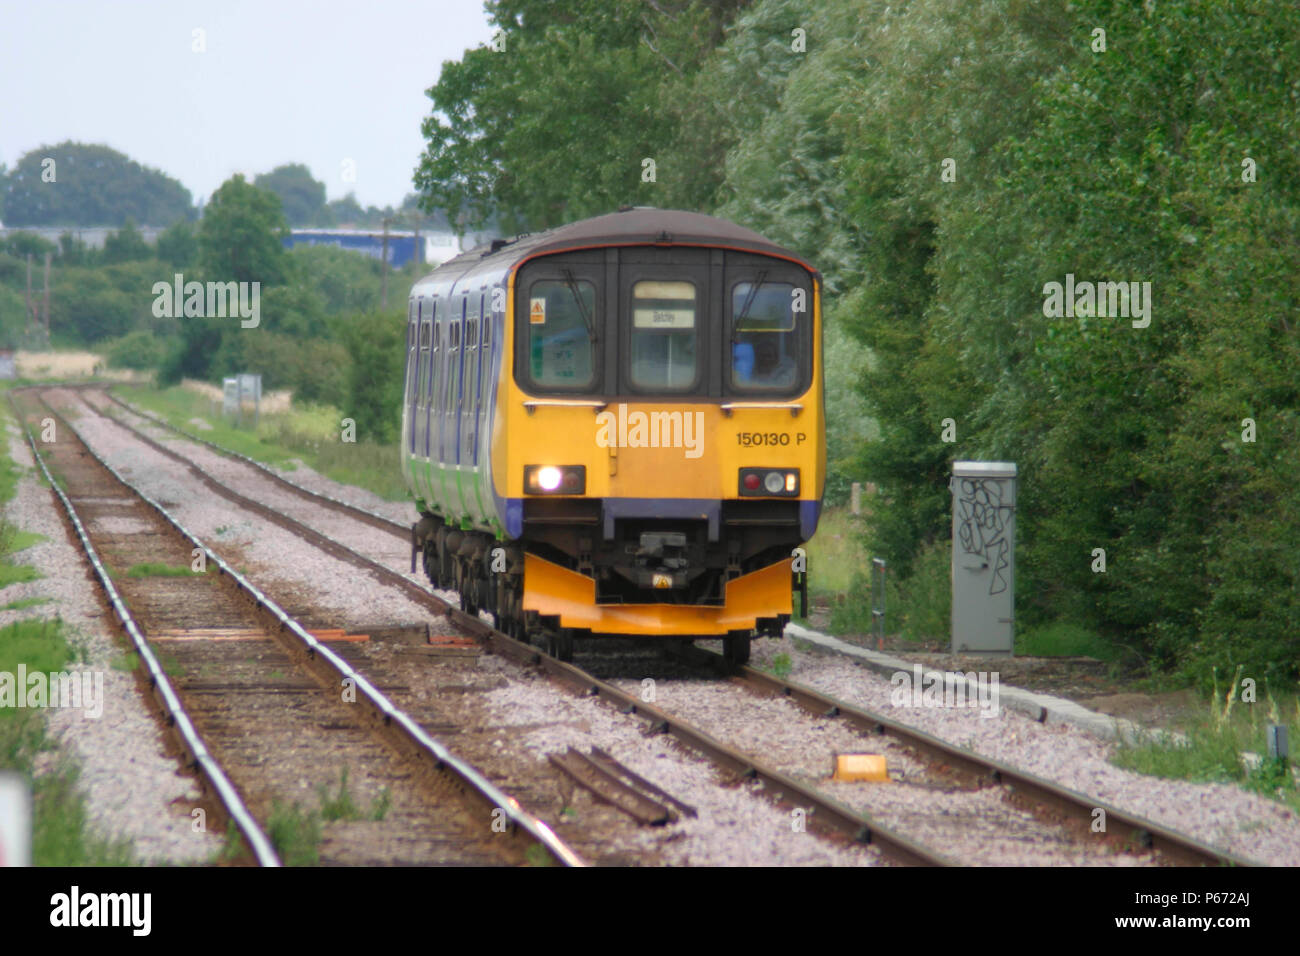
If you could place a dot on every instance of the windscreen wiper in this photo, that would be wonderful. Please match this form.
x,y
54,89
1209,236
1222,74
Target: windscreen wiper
x,y
737,326
582,306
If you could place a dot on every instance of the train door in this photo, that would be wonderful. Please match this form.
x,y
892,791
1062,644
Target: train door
x,y
470,349
421,435
455,404
430,391
664,368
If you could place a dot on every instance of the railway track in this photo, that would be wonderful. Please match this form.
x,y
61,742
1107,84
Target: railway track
x,y
268,713
1046,800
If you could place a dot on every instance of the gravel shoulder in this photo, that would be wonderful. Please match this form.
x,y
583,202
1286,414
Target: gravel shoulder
x,y
1220,814
134,788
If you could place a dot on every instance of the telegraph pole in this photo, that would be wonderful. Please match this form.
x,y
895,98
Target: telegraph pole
x,y
48,257
31,310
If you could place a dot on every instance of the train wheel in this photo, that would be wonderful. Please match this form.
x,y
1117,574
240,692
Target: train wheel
x,y
735,649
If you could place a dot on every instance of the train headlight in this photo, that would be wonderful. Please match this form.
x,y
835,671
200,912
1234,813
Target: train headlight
x,y
555,479
769,482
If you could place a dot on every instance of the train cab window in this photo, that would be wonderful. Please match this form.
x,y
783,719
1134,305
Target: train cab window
x,y
559,341
663,335
765,337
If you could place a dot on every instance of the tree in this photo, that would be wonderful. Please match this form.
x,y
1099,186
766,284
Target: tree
x,y
126,245
76,184
178,246
242,233
302,197
564,121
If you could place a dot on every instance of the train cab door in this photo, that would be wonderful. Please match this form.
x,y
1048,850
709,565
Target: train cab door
x,y
665,344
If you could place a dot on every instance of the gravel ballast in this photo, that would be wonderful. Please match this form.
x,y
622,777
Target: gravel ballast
x,y
1220,814
736,824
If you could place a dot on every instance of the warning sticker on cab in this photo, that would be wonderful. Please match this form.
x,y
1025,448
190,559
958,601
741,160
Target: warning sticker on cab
x,y
537,312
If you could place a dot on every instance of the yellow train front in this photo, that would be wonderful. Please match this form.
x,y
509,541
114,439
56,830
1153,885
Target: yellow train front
x,y
616,427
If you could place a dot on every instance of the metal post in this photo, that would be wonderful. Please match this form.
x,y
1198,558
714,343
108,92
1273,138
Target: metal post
x,y
48,257
878,572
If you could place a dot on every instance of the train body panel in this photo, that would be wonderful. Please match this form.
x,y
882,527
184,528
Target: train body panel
x,y
618,426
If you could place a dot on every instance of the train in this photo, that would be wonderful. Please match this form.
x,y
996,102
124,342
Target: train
x,y
616,427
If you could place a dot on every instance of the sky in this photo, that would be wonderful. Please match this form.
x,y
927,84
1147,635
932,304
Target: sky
x,y
335,84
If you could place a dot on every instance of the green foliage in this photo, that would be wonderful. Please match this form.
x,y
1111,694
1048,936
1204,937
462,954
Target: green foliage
x,y
93,186
1063,639
156,569
178,245
1211,748
295,833
138,350
241,234
61,833
301,196
557,126
126,245
781,666
375,377
338,805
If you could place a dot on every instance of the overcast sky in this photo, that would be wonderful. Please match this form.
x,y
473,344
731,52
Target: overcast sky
x,y
318,83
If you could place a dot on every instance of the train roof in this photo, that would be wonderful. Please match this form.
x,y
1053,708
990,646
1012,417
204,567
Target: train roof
x,y
630,226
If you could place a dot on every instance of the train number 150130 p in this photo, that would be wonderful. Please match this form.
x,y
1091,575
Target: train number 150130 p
x,y
753,439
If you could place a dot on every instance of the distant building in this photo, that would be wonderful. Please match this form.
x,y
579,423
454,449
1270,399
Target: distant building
x,y
435,248
92,236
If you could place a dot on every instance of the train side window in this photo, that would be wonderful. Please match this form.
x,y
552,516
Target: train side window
x,y
663,340
765,337
559,346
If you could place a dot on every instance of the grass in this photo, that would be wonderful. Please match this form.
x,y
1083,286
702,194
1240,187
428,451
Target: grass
x,y
296,834
159,570
232,847
61,833
309,433
339,805
537,855
1063,639
12,540
837,552
1212,745
781,666
23,603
